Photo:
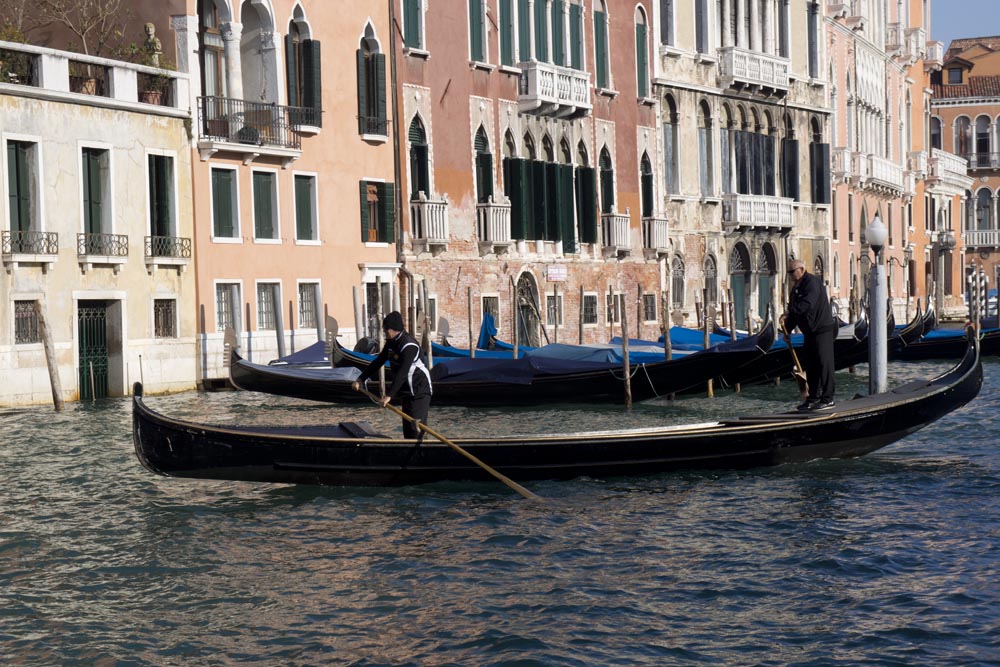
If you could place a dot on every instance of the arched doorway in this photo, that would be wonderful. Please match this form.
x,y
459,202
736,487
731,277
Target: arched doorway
x,y
739,281
766,270
528,311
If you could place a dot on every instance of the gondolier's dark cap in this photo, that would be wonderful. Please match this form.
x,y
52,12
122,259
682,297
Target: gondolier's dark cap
x,y
393,321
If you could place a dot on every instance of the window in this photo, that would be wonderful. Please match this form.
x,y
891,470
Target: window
x,y
491,306
833,219
819,166
413,18
304,74
954,75
419,160
305,208
711,279
484,167
963,136
227,306
164,318
576,35
507,31
705,150
161,196
96,216
984,200
372,118
646,189
26,328
726,132
790,162
558,39
308,305
677,282
607,181
373,299
850,218
701,25
602,79
225,221
641,54
432,310
553,310
667,22
523,31
589,309
22,189
477,31
268,302
670,147
649,307
935,132
813,39
541,32
614,304
378,213
213,55
265,205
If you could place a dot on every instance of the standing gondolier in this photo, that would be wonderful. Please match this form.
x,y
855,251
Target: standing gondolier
x,y
809,310
410,378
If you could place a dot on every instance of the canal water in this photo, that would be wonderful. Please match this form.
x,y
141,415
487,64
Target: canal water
x,y
891,559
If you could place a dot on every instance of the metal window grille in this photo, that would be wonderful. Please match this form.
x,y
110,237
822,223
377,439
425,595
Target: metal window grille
x,y
266,293
164,318
26,329
307,306
553,310
491,305
225,304
649,307
589,309
432,311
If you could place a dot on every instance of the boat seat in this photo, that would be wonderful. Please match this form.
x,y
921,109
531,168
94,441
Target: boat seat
x,y
361,430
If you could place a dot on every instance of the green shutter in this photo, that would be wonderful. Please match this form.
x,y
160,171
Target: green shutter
x,y
160,214
312,79
641,60
558,54
92,190
411,23
601,49
607,189
566,232
387,212
576,36
484,177
506,32
17,186
304,208
263,206
362,94
380,91
647,195
539,199
541,33
523,30
586,206
222,202
364,211
513,185
475,31
552,231
526,198
291,75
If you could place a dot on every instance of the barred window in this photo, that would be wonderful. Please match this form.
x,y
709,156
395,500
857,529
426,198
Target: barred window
x,y
553,310
590,309
26,329
267,296
164,318
227,306
307,305
649,307
491,305
614,314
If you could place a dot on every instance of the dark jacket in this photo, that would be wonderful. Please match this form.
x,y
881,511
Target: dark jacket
x,y
808,308
409,373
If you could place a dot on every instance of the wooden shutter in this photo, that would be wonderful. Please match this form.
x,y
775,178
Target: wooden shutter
x,y
790,168
304,208
362,93
539,199
513,185
222,202
576,36
523,31
363,188
819,163
527,198
17,186
380,92
565,210
743,162
586,203
476,30
312,79
411,24
92,191
641,61
601,49
558,52
506,32
647,195
159,196
291,74
387,212
552,231
262,204
484,177
541,33
769,167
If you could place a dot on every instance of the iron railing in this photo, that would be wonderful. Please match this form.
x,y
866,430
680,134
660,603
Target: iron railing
x,y
255,123
88,78
983,160
30,243
374,125
168,246
18,67
110,245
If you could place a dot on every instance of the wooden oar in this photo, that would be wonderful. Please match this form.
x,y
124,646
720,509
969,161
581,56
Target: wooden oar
x,y
424,427
798,373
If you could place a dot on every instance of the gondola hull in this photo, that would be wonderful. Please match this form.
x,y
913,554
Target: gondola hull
x,y
351,455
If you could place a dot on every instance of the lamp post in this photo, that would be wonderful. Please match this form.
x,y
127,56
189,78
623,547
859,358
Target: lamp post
x,y
878,352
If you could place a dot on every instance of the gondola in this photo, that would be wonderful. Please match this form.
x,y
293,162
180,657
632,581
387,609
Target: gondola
x,y
507,382
948,344
355,454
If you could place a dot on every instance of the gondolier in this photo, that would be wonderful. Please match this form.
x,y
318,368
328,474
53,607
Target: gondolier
x,y
809,310
411,380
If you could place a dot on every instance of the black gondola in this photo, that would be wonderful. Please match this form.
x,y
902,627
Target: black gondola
x,y
527,381
947,344
353,454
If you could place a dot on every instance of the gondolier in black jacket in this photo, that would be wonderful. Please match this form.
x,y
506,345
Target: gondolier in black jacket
x,y
411,380
809,310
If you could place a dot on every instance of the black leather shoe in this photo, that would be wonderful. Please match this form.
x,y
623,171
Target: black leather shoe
x,y
823,405
806,406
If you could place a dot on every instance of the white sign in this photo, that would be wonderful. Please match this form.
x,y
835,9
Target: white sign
x,y
556,273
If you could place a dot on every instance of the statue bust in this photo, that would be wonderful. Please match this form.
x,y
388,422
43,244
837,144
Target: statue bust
x,y
152,45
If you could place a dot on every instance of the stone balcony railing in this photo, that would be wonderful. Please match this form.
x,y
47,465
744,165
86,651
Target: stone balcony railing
x,y
843,163
885,174
837,8
742,68
37,71
918,163
551,90
948,168
428,223
915,45
493,226
861,168
894,39
934,57
655,236
616,236
981,238
756,212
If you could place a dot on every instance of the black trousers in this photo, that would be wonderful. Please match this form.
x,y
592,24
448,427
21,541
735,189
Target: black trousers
x,y
817,353
417,407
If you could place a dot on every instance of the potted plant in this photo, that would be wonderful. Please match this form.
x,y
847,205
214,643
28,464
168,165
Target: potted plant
x,y
153,87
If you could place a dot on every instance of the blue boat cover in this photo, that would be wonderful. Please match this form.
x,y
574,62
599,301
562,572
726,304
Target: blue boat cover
x,y
314,355
487,332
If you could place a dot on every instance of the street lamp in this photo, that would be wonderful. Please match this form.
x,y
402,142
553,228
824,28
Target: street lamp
x,y
878,353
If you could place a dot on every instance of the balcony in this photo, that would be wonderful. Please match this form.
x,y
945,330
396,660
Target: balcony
x,y
918,164
655,237
28,247
429,224
163,251
615,234
981,238
545,89
756,213
934,57
915,45
493,226
757,72
894,39
837,8
946,169
251,128
101,250
843,164
983,160
885,175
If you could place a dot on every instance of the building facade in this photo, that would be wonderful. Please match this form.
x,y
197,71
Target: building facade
x,y
97,230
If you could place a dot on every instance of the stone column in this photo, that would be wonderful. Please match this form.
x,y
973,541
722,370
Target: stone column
x,y
186,29
231,34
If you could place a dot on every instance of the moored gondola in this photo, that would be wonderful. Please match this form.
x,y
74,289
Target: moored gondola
x,y
353,454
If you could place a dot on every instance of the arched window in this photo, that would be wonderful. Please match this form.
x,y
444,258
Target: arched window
x,y
565,156
582,158
982,156
667,22
304,73
547,152
646,178
670,146
677,282
484,167
819,164
607,181
766,270
258,58
529,146
768,142
836,270
213,56
601,46
726,135
963,137
711,280
371,86
641,54
705,149
509,146
739,282
585,185
935,132
419,167
818,269
984,206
